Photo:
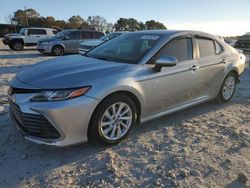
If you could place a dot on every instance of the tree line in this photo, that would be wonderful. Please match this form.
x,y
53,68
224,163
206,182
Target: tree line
x,y
32,18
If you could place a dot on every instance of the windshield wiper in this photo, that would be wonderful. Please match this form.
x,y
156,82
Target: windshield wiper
x,y
102,58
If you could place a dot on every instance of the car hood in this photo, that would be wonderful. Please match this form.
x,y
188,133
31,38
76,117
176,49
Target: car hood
x,y
91,42
67,72
12,35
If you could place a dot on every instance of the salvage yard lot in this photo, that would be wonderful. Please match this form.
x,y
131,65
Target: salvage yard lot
x,y
207,145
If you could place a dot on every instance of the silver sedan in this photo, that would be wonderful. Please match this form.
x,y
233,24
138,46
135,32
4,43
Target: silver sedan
x,y
131,79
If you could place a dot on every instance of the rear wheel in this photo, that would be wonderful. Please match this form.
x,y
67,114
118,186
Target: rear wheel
x,y
113,120
17,45
57,51
227,88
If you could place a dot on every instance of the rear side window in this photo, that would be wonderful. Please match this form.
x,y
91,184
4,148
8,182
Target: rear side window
x,y
181,48
74,35
206,47
97,35
86,35
37,31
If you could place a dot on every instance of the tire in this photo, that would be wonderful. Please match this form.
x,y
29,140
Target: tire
x,y
227,88
107,130
17,45
10,46
57,51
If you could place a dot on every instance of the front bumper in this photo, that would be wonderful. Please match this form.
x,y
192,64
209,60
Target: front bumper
x,y
70,118
43,48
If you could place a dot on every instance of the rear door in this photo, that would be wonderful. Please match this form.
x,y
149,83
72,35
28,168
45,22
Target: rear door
x,y
34,35
72,42
212,61
172,86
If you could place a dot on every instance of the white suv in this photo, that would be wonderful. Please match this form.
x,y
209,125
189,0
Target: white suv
x,y
27,37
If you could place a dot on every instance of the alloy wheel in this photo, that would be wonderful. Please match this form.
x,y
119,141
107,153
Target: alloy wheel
x,y
228,88
116,121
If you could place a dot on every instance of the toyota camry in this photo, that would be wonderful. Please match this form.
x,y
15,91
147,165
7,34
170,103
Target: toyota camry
x,y
134,78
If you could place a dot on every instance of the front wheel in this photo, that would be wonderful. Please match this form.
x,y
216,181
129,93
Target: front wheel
x,y
57,51
113,120
17,45
227,88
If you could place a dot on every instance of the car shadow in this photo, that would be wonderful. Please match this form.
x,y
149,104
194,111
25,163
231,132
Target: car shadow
x,y
25,49
12,69
21,56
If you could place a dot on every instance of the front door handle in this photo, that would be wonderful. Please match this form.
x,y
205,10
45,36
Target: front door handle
x,y
224,61
194,68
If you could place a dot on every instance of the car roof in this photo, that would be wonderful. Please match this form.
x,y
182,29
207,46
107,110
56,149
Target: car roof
x,y
81,30
169,33
38,28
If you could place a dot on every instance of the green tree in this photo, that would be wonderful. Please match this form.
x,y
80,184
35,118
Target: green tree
x,y
20,16
99,23
128,24
153,25
77,22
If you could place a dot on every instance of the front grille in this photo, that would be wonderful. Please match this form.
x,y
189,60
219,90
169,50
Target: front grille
x,y
32,124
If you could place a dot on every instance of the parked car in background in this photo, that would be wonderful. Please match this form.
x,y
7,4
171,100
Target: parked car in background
x,y
243,44
27,37
90,44
230,41
133,78
66,41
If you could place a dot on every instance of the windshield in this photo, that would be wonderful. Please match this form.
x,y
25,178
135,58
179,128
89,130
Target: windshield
x,y
126,48
22,31
62,33
110,36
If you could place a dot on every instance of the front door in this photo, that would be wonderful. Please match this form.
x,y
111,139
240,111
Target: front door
x,y
72,42
172,86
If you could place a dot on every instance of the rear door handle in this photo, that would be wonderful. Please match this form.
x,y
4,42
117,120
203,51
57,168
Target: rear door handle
x,y
194,68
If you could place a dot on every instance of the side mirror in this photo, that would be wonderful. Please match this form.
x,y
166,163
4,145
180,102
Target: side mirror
x,y
165,61
66,38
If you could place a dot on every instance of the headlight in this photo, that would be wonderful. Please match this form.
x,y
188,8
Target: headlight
x,y
44,43
59,95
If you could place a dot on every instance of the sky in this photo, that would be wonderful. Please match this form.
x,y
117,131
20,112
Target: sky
x,y
220,17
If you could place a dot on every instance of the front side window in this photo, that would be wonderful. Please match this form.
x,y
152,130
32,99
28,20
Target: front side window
x,y
127,48
181,48
23,31
206,47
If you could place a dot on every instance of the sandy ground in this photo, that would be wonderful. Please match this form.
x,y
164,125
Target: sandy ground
x,y
205,146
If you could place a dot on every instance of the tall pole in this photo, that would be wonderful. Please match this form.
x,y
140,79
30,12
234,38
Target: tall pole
x,y
26,18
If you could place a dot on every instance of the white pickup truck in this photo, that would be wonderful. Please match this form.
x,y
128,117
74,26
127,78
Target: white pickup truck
x,y
27,37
